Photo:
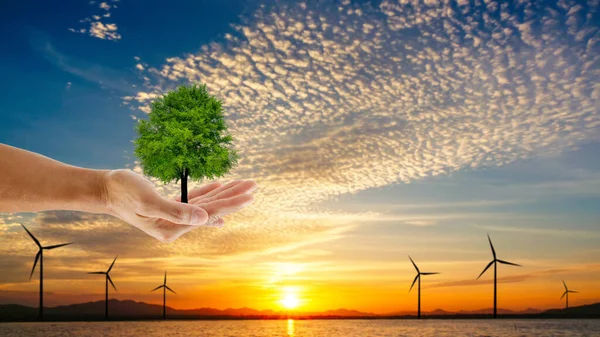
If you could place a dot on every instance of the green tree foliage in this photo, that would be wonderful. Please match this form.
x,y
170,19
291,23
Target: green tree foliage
x,y
185,136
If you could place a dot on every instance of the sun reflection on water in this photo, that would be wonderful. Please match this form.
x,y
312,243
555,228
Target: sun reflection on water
x,y
290,327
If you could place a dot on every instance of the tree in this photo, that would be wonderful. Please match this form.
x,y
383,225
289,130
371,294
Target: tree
x,y
185,137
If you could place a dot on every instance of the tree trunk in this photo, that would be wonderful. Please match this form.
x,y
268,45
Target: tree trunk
x,y
184,189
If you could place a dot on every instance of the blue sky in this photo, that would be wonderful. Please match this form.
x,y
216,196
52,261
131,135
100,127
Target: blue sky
x,y
43,56
375,129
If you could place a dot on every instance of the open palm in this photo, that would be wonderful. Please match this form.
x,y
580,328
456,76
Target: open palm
x,y
134,199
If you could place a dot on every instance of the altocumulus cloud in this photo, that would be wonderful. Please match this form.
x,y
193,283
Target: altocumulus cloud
x,y
97,28
333,98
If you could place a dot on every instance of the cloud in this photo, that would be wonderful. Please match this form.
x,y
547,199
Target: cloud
x,y
104,6
419,222
97,28
318,105
107,78
451,205
61,217
327,99
104,31
543,231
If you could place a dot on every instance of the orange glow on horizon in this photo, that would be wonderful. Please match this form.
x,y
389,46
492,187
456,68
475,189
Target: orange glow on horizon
x,y
379,298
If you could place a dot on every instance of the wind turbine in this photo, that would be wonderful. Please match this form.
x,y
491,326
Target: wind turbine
x,y
40,256
165,288
418,277
495,263
107,280
566,293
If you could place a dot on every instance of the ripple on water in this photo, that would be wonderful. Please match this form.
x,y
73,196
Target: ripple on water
x,y
310,328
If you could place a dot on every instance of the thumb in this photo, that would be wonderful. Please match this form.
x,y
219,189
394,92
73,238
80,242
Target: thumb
x,y
176,212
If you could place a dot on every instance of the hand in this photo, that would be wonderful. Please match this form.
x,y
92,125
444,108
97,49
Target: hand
x,y
133,198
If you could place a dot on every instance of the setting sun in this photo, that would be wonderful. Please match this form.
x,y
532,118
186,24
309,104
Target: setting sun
x,y
290,301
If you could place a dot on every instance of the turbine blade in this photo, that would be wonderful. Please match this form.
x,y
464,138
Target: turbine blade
x,y
171,290
429,273
33,237
97,272
486,268
156,288
111,282
563,295
415,280
165,282
37,257
565,285
492,246
512,264
57,246
414,264
112,264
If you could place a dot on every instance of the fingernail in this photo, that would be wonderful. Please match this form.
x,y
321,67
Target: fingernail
x,y
254,188
196,217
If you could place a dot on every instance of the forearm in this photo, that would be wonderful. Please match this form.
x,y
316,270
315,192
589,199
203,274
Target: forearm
x,y
30,182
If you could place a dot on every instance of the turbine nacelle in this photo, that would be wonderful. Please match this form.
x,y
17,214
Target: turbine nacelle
x,y
107,273
419,273
567,291
164,285
495,260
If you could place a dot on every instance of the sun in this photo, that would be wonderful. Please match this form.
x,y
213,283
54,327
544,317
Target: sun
x,y
290,300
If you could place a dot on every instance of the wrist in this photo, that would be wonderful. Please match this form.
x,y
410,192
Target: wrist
x,y
102,193
92,193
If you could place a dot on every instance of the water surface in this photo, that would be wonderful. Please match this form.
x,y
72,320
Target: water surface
x,y
311,328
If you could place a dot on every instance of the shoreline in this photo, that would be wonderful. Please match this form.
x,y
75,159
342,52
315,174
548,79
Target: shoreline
x,y
50,319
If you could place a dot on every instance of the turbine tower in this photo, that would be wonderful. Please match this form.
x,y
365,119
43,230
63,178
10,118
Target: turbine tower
x,y
566,293
418,277
107,273
495,263
165,288
40,256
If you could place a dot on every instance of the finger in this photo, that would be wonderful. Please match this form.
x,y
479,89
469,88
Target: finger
x,y
173,211
219,223
161,229
225,187
246,186
226,206
200,191
168,232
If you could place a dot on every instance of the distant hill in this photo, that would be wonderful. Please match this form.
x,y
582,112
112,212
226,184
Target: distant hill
x,y
590,309
442,312
131,310
128,309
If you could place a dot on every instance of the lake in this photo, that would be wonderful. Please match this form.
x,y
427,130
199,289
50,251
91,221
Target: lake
x,y
311,328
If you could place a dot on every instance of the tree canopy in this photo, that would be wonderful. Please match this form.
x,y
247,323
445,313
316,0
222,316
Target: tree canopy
x,y
185,135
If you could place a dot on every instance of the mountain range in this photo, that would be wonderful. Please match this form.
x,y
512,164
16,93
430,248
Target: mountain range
x,y
131,310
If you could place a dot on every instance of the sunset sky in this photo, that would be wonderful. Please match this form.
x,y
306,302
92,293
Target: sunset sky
x,y
374,129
